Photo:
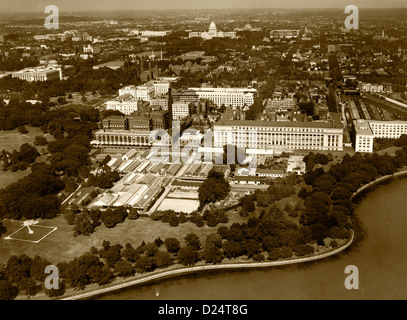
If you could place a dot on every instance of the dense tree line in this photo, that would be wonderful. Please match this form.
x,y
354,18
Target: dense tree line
x,y
211,217
35,195
328,204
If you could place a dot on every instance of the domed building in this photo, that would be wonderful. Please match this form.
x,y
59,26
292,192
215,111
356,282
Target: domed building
x,y
212,33
212,30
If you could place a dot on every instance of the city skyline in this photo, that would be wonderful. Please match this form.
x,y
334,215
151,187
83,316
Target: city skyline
x,y
17,6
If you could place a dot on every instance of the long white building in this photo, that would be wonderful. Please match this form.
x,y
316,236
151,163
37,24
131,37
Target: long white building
x,y
278,135
365,131
227,96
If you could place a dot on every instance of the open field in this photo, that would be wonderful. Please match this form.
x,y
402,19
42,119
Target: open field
x,y
8,177
184,205
61,245
10,140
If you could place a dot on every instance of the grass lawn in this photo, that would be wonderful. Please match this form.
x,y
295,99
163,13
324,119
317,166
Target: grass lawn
x,y
8,177
61,245
12,140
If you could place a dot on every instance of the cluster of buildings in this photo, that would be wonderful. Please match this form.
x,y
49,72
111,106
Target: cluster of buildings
x,y
156,94
286,34
143,181
73,35
212,33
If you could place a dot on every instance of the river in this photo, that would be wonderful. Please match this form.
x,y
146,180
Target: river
x,y
379,253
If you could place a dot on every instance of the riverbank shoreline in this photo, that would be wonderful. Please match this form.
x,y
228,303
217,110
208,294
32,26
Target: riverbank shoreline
x,y
177,271
381,180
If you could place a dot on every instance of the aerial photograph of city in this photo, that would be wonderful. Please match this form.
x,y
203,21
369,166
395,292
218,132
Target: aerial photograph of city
x,y
185,150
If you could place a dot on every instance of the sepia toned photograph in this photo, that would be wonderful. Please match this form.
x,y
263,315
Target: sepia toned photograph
x,y
203,155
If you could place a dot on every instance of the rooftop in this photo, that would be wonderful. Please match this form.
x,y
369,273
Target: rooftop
x,y
362,127
281,124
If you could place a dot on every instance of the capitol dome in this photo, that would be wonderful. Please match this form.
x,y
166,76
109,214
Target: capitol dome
x,y
212,28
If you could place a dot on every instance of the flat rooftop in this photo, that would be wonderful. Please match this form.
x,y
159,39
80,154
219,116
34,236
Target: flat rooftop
x,y
362,127
281,124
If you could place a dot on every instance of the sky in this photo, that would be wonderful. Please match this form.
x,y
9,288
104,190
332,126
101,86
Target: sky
x,y
14,6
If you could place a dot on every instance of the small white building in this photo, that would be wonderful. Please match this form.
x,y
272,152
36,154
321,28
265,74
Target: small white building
x,y
270,173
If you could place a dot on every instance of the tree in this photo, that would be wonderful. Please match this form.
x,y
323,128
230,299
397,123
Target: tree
x,y
22,130
307,107
130,253
212,253
103,276
54,293
251,247
192,240
321,158
232,249
111,255
258,257
145,264
133,214
83,224
286,252
163,259
37,268
188,256
172,245
303,250
7,290
150,249
248,203
124,268
3,229
213,189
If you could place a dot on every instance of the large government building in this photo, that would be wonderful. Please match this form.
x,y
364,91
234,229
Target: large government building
x,y
227,96
365,131
279,135
213,33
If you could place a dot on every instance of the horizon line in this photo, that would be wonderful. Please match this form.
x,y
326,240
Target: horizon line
x,y
199,9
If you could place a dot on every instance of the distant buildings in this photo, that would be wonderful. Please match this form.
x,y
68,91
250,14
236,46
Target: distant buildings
x,y
248,27
91,48
367,87
288,34
213,33
114,65
150,33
